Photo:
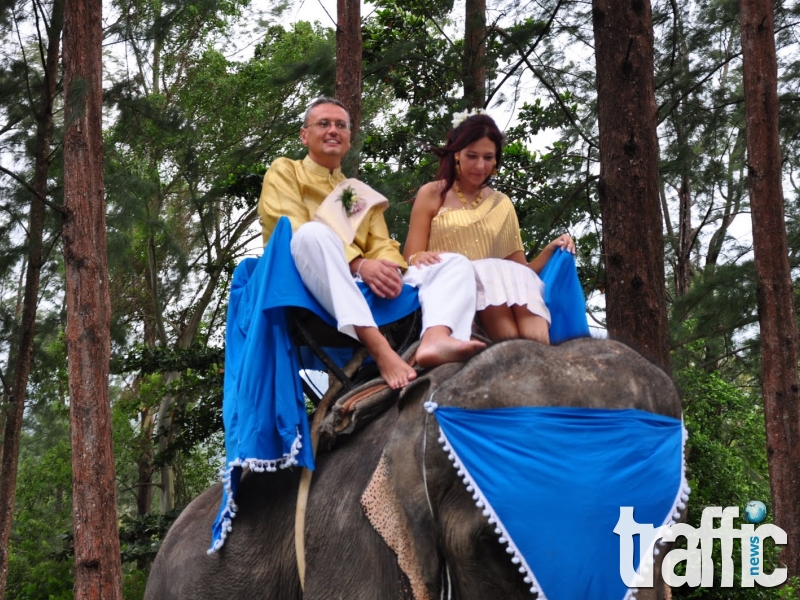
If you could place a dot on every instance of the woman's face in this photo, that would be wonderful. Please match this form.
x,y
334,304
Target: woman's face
x,y
477,161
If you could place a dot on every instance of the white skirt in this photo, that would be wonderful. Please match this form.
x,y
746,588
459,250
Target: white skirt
x,y
502,281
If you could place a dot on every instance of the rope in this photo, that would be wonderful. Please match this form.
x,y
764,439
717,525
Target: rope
x,y
446,573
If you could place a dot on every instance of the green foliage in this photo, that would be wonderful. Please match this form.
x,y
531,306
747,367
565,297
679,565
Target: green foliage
x,y
200,420
790,590
198,402
140,537
155,359
726,450
40,561
727,464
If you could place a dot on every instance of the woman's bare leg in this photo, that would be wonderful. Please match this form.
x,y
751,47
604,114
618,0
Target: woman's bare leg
x,y
499,323
531,326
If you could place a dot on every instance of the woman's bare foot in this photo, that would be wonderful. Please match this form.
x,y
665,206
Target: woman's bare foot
x,y
437,348
394,370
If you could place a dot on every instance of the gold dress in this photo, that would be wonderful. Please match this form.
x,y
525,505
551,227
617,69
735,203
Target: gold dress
x,y
486,235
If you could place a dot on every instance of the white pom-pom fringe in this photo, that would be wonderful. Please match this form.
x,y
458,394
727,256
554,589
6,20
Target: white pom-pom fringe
x,y
256,465
679,504
481,502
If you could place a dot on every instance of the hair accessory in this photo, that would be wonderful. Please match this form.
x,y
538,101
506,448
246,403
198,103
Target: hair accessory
x,y
460,117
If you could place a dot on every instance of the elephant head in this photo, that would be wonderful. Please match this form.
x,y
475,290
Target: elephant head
x,y
417,500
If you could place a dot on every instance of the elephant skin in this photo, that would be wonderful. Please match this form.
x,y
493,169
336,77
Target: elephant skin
x,y
446,539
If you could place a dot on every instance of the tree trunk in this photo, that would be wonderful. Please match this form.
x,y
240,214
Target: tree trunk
x,y
633,240
349,46
773,278
164,434
144,465
475,53
686,235
24,346
98,572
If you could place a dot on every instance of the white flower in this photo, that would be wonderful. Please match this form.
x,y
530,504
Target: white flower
x,y
460,117
357,207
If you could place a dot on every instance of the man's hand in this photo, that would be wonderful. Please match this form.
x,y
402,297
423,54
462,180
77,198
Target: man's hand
x,y
382,276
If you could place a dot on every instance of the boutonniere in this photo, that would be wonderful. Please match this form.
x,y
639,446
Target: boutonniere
x,y
351,202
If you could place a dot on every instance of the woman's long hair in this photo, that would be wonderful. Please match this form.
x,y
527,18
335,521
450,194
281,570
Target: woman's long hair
x,y
471,129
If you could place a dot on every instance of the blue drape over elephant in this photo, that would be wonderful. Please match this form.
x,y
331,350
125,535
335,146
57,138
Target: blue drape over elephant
x,y
390,515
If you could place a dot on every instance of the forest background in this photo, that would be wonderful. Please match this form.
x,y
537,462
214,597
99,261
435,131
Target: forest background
x,y
201,96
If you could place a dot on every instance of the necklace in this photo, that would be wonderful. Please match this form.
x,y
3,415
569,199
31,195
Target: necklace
x,y
475,202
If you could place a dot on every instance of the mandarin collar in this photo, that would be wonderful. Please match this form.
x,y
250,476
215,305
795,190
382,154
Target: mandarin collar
x,y
318,169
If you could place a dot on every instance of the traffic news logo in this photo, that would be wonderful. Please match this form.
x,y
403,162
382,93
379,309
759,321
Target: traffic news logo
x,y
699,546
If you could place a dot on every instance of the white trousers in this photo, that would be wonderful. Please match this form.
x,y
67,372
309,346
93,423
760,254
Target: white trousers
x,y
446,290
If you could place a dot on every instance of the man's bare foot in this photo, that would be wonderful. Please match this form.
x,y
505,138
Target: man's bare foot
x,y
437,349
394,370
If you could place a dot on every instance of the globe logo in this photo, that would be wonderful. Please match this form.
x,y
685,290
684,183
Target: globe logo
x,y
755,511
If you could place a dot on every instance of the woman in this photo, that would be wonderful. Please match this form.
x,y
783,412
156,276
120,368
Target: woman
x,y
459,213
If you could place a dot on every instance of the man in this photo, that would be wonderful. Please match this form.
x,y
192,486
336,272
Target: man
x,y
329,269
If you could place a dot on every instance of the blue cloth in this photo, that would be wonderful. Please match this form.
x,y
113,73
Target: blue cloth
x,y
563,296
263,408
553,480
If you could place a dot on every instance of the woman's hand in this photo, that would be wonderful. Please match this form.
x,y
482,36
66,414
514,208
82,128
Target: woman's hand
x,y
564,242
424,259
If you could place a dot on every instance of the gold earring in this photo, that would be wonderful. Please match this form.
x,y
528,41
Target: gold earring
x,y
458,168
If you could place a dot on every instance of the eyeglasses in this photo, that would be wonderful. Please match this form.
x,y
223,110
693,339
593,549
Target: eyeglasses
x,y
326,124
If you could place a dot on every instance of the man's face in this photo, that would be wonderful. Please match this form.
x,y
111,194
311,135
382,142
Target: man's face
x,y
326,145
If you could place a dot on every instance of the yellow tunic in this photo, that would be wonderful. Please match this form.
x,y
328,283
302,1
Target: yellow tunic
x,y
296,188
491,230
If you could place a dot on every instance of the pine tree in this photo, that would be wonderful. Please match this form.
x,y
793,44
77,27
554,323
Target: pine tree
x,y
98,572
633,241
23,346
776,311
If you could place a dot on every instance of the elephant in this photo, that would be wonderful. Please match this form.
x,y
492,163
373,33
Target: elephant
x,y
446,546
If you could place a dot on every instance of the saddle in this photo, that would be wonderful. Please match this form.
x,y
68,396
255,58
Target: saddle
x,y
309,330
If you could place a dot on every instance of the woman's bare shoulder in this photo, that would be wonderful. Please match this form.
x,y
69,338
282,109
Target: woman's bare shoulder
x,y
431,193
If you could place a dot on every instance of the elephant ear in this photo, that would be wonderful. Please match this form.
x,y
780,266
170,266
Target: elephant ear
x,y
396,500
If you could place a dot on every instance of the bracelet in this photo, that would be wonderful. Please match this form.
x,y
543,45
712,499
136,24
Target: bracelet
x,y
361,264
411,259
